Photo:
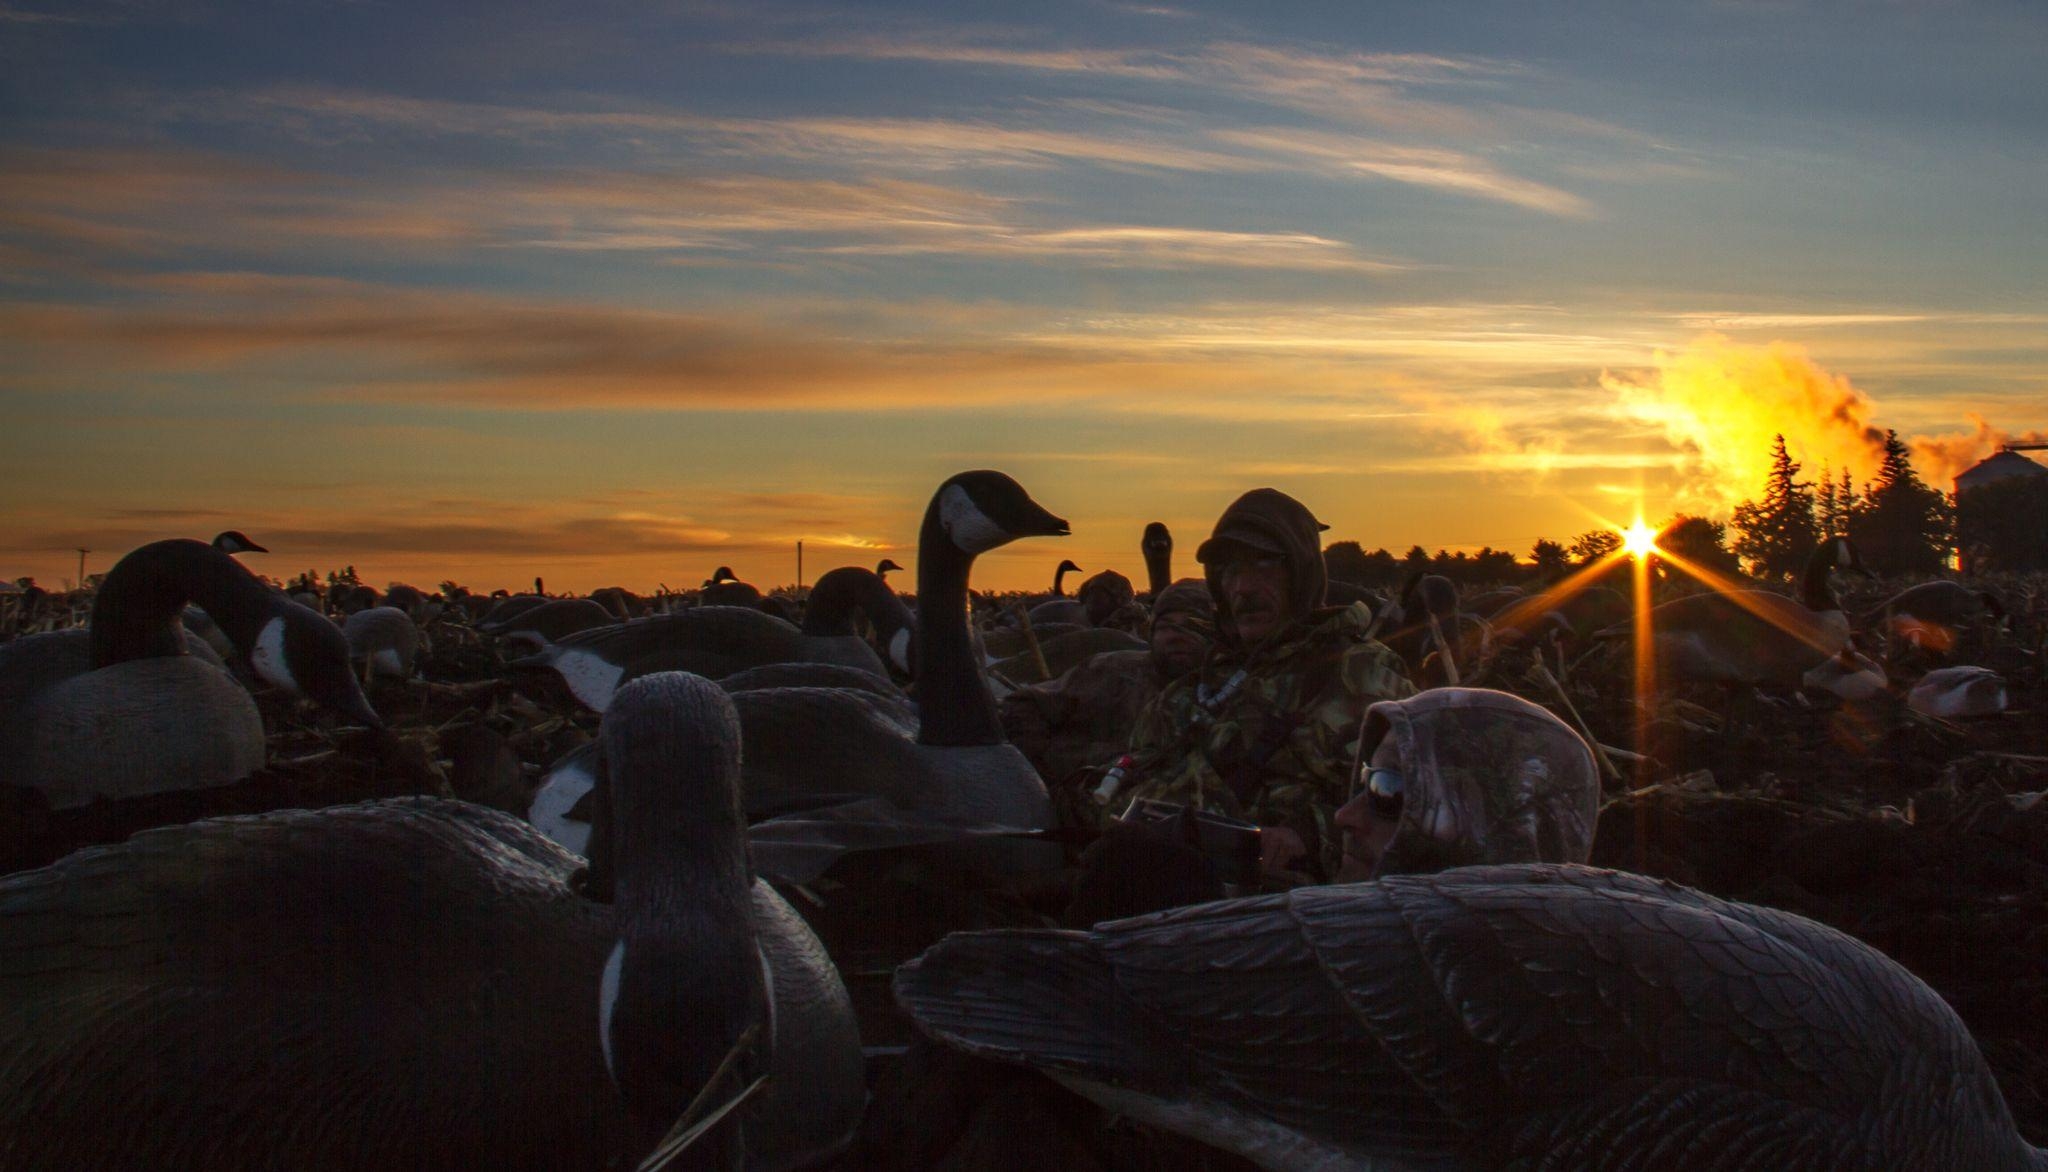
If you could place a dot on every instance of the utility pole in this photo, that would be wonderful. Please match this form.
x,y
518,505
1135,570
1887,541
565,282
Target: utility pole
x,y
799,569
82,551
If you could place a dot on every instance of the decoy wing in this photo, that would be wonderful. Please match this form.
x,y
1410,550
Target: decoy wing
x,y
1484,1017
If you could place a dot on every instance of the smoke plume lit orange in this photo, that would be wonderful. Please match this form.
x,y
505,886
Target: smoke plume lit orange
x,y
1720,402
1938,458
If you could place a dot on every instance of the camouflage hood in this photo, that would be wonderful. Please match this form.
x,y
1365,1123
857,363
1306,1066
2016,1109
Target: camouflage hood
x,y
1491,778
1269,520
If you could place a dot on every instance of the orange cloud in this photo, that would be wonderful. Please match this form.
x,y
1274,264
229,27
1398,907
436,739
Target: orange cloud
x,y
1939,458
1718,403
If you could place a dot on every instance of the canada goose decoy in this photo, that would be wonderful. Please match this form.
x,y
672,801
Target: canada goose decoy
x,y
504,610
233,541
148,717
1959,691
420,982
1754,637
1932,616
724,588
1487,1017
385,640
1157,547
716,641
539,627
1059,578
954,761
1849,674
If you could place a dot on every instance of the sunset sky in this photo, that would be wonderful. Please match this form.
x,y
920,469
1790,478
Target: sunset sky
x,y
618,293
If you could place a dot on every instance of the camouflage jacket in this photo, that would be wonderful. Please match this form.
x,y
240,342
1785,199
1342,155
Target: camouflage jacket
x,y
1084,717
1299,704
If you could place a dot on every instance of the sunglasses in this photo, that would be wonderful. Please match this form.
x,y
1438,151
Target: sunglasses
x,y
1383,793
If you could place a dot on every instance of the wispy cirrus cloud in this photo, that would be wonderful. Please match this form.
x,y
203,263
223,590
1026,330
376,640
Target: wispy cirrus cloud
x,y
1432,167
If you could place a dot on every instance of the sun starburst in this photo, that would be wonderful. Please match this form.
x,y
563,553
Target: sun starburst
x,y
1639,540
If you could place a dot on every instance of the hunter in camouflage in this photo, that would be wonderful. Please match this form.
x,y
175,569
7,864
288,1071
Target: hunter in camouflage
x,y
1458,777
1085,717
1267,729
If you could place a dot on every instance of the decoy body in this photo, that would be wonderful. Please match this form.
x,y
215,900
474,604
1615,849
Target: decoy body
x,y
420,982
1752,637
717,641
148,717
1529,1016
1959,691
1932,615
384,640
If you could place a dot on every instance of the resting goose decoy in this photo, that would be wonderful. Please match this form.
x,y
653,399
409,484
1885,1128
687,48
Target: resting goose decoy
x,y
1850,674
539,627
1157,547
421,983
147,717
1518,1016
716,641
1959,691
504,610
724,588
1754,637
235,541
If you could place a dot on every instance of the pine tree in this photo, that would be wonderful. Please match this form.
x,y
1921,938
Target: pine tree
x,y
1827,504
1550,560
1902,525
1778,531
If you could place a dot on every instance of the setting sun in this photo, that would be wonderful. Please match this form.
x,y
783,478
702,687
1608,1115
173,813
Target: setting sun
x,y
1639,540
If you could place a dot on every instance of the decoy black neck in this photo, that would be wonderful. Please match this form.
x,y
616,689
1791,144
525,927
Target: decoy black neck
x,y
839,593
1159,565
953,700
1814,589
135,615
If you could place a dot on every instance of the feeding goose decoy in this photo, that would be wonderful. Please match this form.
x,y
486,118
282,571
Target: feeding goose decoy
x,y
421,983
1745,638
147,717
1517,1016
716,641
1157,547
1959,691
385,640
233,541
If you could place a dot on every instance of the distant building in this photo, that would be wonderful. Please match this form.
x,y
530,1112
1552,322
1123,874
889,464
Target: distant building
x,y
2005,463
2002,513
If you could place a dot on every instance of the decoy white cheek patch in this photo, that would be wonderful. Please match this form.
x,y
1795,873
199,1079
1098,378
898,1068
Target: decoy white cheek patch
x,y
899,650
590,678
608,1000
552,803
969,527
267,657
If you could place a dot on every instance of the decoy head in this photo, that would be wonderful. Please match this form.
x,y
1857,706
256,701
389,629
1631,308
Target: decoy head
x,y
979,511
1157,540
302,652
235,541
884,566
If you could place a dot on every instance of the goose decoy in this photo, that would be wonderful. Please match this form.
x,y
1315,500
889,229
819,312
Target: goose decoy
x,y
145,716
233,541
1932,615
421,983
1850,674
724,588
1746,638
504,610
716,641
1516,1016
949,764
883,567
1959,691
539,627
385,640
955,760
1157,547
